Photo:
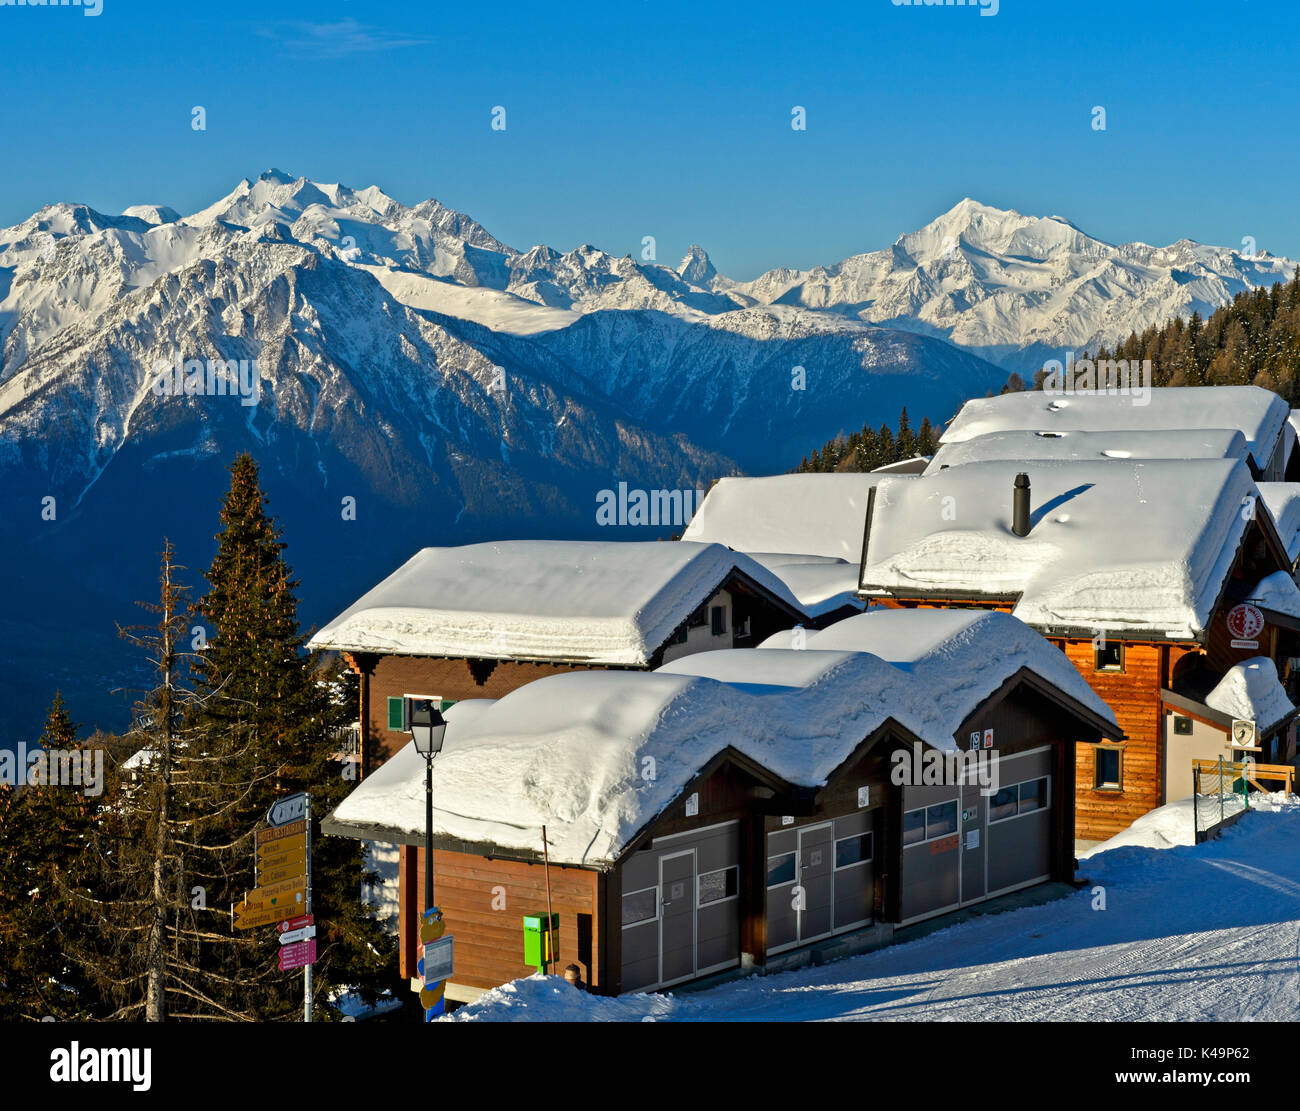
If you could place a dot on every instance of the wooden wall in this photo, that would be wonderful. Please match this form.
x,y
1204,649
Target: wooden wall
x,y
484,900
1134,695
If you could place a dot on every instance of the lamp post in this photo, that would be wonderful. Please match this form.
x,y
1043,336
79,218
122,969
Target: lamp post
x,y
427,729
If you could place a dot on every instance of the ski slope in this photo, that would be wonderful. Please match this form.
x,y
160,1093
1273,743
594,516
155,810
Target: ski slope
x,y
1187,934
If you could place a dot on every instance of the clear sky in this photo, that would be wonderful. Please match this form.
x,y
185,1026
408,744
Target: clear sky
x,y
632,118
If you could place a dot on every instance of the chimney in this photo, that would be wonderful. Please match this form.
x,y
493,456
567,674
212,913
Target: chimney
x,y
1020,505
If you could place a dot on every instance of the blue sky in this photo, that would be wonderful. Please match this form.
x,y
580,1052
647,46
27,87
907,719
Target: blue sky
x,y
673,119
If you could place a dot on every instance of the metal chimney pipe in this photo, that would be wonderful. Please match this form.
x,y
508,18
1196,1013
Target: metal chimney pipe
x,y
1020,505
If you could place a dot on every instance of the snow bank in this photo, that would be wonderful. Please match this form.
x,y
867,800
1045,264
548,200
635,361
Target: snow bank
x,y
1259,414
1277,592
541,998
1138,547
1251,690
817,514
582,601
1161,828
596,755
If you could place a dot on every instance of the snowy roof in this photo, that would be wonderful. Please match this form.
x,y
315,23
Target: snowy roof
x,y
816,514
1260,414
1208,443
1278,592
571,751
140,759
1283,502
1251,690
913,464
583,601
1143,546
821,584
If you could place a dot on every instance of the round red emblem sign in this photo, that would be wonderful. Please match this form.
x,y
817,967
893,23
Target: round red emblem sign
x,y
1245,622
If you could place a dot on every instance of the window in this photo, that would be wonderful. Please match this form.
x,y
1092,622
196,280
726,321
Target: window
x,y
914,826
1033,795
718,615
1110,656
640,906
780,869
940,820
719,885
852,850
1109,769
1182,725
696,619
1003,804
679,637
1019,798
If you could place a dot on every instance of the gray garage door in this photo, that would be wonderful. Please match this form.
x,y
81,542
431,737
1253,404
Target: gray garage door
x,y
1020,823
820,880
681,907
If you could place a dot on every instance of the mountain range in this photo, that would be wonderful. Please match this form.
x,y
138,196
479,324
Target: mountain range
x,y
420,382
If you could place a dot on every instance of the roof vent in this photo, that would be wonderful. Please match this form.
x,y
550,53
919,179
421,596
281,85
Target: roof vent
x,y
1020,505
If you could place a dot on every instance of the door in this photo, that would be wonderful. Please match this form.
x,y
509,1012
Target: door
x,y
677,916
974,843
816,878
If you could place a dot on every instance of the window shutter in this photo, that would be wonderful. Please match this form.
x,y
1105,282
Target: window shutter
x,y
396,713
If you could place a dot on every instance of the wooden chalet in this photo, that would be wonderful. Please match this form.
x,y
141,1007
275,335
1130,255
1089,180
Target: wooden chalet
x,y
1149,575
482,620
735,807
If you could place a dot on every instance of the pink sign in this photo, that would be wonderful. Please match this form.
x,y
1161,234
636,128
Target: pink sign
x,y
295,956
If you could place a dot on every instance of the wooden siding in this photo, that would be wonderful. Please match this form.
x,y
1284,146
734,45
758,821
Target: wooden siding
x,y
490,938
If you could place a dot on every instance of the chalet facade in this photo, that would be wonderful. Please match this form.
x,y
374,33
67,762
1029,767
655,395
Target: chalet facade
x,y
1149,575
482,620
735,806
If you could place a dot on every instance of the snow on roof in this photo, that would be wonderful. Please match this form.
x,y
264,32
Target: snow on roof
x,y
1208,443
913,464
1138,546
1260,414
817,514
140,759
820,583
596,755
587,601
1251,690
1278,592
1283,502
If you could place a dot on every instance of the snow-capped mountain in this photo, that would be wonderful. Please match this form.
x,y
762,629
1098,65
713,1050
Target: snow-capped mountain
x,y
410,380
1018,289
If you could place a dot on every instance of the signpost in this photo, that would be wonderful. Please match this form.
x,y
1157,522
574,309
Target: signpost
x,y
283,894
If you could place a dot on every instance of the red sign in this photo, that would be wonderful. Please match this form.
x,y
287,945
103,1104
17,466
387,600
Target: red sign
x,y
297,923
1245,622
295,956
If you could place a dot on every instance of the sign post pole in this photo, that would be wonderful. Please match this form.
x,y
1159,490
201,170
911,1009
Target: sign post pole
x,y
306,969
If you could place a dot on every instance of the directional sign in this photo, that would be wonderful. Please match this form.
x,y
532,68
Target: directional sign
x,y
248,917
297,923
281,873
288,810
295,956
291,830
303,933
289,848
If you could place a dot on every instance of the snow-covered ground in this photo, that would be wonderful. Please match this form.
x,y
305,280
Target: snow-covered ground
x,y
1210,932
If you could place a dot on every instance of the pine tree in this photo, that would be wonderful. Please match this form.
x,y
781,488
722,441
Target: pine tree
x,y
260,684
45,859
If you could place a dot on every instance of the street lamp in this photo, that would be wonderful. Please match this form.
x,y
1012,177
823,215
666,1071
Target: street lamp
x,y
427,729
